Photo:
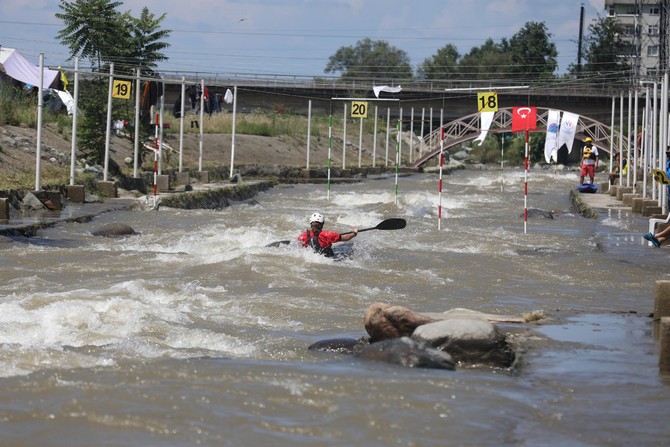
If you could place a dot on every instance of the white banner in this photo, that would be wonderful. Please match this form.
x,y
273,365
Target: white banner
x,y
566,133
486,120
551,141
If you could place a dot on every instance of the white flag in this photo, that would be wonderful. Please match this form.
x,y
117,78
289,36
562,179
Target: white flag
x,y
228,97
550,146
566,134
486,120
386,88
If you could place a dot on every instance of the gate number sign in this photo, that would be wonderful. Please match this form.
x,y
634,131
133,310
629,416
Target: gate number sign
x,y
359,109
487,102
121,89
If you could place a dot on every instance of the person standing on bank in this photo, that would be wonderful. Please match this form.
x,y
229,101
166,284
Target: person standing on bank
x,y
589,160
322,240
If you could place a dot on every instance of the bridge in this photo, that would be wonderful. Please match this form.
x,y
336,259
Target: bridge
x,y
469,127
443,97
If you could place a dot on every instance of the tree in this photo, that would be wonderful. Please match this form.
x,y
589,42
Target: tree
x,y
145,40
443,65
93,30
605,52
488,61
370,59
533,55
96,31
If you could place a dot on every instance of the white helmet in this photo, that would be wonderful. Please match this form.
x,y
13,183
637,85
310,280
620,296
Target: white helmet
x,y
316,217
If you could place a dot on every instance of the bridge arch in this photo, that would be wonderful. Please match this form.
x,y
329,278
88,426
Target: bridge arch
x,y
469,127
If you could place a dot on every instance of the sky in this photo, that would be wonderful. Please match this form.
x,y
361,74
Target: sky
x,y
295,38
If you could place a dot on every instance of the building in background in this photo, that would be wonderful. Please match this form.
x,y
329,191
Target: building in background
x,y
646,28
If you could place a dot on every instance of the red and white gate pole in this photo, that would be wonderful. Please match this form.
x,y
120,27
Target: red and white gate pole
x,y
439,201
156,161
525,187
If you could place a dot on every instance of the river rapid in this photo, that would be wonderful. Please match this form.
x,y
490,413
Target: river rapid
x,y
195,333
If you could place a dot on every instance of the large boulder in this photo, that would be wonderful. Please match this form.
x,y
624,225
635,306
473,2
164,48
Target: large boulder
x,y
469,341
385,321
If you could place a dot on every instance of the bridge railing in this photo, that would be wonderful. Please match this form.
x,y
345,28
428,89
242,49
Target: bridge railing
x,y
469,127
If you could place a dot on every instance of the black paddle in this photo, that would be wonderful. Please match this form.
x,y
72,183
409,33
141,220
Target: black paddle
x,y
388,224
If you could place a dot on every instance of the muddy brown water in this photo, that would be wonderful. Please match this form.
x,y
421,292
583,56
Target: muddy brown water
x,y
195,333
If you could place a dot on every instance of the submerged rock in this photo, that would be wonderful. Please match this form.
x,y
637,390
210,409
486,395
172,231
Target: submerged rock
x,y
404,351
339,345
114,229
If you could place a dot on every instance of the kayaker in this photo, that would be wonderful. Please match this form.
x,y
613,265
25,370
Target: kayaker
x,y
322,240
589,160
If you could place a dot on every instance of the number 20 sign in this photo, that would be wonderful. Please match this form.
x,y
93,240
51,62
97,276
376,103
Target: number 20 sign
x,y
487,102
359,109
121,89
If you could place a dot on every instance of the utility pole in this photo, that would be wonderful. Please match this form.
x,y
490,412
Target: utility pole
x,y
580,41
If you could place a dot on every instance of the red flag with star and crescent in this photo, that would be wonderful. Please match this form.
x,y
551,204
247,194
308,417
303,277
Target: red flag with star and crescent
x,y
524,118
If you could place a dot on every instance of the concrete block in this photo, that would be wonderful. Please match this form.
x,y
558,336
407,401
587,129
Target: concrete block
x,y
636,205
163,183
75,193
203,176
628,198
182,178
613,189
603,187
651,210
108,189
621,190
664,354
4,209
661,300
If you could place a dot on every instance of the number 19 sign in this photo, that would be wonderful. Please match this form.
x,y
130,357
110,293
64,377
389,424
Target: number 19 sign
x,y
487,102
121,89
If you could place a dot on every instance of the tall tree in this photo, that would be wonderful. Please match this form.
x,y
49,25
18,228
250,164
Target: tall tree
x,y
94,30
489,61
533,55
146,40
607,55
443,65
370,59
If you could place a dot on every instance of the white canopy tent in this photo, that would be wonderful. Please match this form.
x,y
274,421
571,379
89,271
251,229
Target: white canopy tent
x,y
16,66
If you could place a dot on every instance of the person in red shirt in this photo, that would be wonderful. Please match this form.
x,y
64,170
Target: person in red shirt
x,y
322,240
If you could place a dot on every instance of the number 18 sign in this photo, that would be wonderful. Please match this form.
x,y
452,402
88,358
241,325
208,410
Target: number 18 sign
x,y
487,102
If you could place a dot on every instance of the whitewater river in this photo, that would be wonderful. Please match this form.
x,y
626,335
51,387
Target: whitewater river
x,y
194,333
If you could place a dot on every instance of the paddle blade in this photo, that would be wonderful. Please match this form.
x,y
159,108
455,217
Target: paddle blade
x,y
392,224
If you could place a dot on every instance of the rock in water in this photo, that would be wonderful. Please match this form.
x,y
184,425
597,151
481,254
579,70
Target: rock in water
x,y
406,352
114,229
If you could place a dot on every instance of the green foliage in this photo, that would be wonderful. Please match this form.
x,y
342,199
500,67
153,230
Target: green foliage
x,y
532,53
370,59
443,65
93,30
603,49
485,62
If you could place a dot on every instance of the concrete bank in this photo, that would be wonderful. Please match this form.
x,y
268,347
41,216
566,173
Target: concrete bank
x,y
199,196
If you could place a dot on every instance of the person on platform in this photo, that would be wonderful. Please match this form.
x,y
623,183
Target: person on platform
x,y
615,174
322,240
589,160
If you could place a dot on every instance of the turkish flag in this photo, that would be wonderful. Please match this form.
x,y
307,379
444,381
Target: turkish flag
x,y
524,118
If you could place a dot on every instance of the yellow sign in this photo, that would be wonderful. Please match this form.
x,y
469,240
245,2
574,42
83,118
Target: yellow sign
x,y
487,102
359,109
121,89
